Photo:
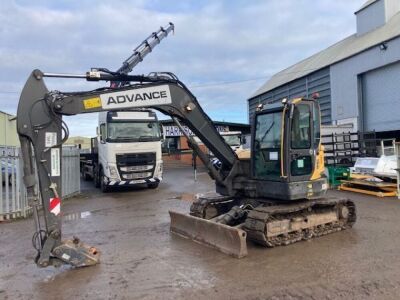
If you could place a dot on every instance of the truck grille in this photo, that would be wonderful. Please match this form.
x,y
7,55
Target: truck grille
x,y
132,165
136,159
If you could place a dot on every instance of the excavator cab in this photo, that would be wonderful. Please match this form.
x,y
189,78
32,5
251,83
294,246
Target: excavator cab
x,y
282,199
287,156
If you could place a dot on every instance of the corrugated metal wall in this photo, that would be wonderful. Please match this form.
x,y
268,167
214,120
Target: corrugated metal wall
x,y
318,81
71,183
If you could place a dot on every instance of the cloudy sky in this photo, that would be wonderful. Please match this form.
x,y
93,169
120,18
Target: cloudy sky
x,y
222,50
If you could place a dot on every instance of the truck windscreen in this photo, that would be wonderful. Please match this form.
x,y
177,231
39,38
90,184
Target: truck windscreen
x,y
232,140
133,132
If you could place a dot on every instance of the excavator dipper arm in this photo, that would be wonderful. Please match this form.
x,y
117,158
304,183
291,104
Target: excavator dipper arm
x,y
41,128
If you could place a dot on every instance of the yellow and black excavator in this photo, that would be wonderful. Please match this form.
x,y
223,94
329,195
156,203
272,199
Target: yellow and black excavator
x,y
274,197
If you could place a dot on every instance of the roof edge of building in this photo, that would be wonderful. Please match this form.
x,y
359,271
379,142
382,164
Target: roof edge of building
x,y
282,72
365,5
261,91
255,95
6,113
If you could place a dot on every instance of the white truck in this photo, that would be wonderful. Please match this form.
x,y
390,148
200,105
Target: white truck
x,y
126,151
235,139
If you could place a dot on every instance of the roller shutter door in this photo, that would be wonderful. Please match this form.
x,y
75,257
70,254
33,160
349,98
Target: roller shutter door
x,y
381,99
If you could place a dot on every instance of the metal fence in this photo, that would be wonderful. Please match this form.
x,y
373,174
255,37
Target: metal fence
x,y
71,184
13,196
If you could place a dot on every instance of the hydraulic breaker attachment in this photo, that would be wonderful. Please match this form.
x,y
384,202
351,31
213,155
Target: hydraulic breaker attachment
x,y
227,239
76,253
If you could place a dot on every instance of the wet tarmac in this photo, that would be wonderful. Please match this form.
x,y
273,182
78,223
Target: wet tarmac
x,y
142,260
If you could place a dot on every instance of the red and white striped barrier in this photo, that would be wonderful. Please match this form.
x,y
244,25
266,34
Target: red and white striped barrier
x,y
55,206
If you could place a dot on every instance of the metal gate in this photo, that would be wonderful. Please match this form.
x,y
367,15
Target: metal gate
x,y
71,184
13,197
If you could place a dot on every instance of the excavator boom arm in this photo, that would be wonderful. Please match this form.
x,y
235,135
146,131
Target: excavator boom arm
x,y
40,126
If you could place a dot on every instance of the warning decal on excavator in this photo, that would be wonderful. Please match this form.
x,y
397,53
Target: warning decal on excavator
x,y
55,206
92,103
155,95
55,161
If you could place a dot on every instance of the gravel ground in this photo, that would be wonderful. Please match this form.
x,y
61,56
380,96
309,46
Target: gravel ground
x,y
141,260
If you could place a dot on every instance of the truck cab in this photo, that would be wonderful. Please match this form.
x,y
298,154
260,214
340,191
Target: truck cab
x,y
235,139
129,149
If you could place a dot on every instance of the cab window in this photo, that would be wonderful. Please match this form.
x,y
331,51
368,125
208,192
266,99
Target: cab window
x,y
317,125
300,132
267,146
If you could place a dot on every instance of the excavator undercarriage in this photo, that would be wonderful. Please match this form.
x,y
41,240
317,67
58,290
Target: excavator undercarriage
x,y
267,222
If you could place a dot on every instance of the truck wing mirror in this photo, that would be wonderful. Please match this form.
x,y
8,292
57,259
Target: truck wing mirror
x,y
162,132
102,133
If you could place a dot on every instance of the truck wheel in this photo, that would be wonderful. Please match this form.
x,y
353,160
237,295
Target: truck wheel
x,y
103,187
96,178
85,176
153,185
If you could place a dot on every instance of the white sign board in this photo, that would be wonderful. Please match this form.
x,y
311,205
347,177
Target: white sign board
x,y
55,162
50,139
171,131
154,95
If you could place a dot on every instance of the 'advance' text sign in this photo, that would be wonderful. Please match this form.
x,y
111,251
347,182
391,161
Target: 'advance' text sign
x,y
154,95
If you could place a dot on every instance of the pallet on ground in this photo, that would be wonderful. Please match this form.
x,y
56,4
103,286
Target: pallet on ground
x,y
378,189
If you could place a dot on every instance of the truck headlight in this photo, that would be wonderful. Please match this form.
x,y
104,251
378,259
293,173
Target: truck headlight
x,y
113,171
160,168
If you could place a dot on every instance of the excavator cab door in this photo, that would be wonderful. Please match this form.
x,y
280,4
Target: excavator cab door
x,y
267,158
303,139
300,145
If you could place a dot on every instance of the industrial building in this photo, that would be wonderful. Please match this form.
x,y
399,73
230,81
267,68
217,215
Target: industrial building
x,y
175,146
358,78
176,140
8,130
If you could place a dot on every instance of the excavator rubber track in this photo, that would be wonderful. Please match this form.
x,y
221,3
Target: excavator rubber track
x,y
210,206
284,224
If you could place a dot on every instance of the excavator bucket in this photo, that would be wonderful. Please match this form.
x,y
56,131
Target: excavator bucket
x,y
227,239
76,253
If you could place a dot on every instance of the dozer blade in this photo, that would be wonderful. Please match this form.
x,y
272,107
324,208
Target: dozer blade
x,y
227,239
